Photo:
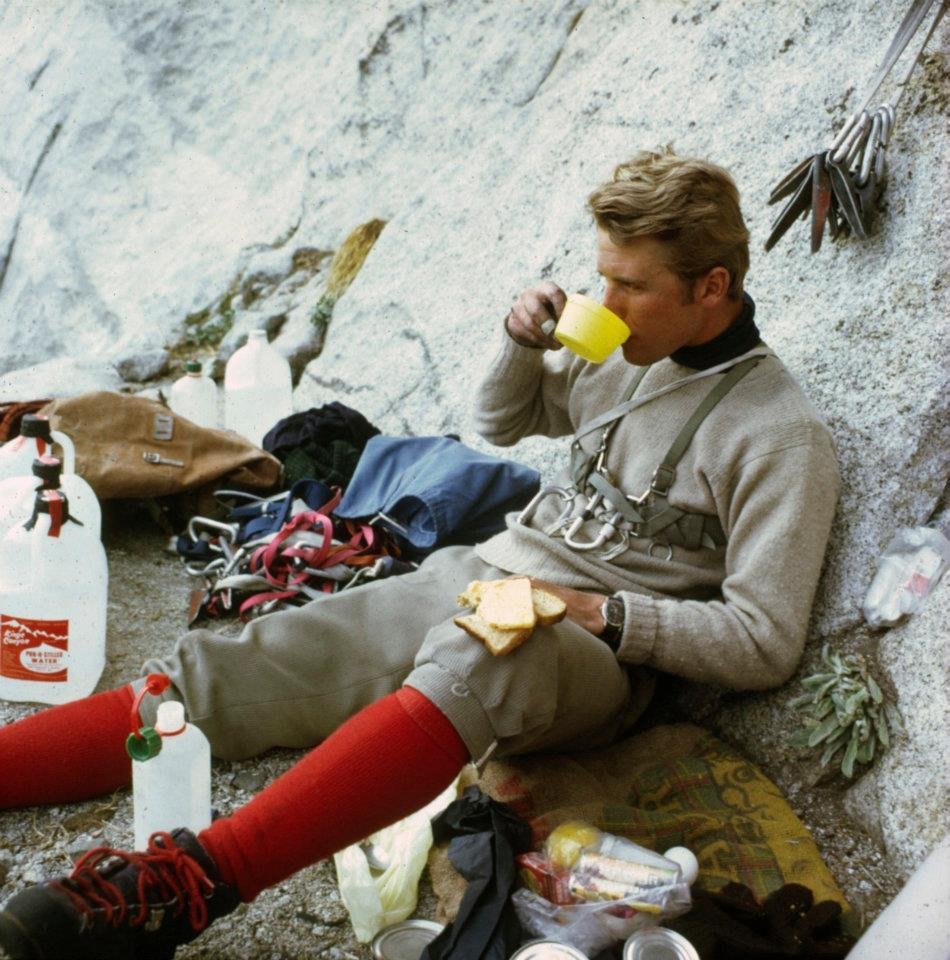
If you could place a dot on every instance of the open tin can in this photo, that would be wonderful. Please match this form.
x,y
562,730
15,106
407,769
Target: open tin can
x,y
547,950
406,940
658,943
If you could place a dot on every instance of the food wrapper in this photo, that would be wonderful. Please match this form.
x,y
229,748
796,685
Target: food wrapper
x,y
618,887
542,876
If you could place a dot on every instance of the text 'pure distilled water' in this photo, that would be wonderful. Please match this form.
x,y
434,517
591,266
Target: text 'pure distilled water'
x,y
257,388
171,787
53,594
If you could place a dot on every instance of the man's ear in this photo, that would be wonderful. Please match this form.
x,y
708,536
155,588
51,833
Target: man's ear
x,y
713,286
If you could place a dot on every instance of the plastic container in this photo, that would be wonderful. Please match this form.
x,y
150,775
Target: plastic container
x,y
53,594
172,788
907,572
195,397
257,388
35,440
17,495
590,329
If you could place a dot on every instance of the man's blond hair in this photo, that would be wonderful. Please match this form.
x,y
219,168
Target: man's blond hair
x,y
689,205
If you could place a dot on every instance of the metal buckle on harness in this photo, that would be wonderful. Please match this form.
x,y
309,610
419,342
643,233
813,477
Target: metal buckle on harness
x,y
663,478
669,549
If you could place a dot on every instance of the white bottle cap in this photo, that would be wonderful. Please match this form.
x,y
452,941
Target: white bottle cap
x,y
171,717
686,859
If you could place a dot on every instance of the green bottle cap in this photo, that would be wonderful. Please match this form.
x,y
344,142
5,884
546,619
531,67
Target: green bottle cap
x,y
144,745
192,366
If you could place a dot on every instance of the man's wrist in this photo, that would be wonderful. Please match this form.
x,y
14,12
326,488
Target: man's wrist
x,y
614,614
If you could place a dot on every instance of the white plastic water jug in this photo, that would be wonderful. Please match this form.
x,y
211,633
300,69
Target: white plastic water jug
x,y
195,397
35,440
257,388
53,593
172,788
17,495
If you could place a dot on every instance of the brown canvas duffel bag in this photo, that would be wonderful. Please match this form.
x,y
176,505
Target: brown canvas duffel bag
x,y
129,447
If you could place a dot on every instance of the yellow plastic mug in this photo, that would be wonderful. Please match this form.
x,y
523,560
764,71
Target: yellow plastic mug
x,y
589,329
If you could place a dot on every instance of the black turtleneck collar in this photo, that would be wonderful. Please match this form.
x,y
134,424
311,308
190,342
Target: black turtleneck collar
x,y
738,338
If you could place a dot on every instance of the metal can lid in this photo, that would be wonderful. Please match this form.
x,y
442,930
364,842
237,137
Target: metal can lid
x,y
406,940
658,943
547,950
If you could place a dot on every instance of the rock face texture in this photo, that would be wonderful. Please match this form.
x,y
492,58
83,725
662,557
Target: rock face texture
x,y
173,172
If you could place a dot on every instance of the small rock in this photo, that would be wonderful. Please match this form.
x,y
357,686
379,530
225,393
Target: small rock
x,y
5,866
250,781
80,845
143,366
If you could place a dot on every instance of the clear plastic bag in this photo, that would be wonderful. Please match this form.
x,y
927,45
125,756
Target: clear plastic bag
x,y
619,885
376,899
907,572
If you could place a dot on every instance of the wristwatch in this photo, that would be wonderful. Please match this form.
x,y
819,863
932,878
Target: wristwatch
x,y
613,612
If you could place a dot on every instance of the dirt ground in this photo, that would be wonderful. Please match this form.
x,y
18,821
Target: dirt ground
x,y
303,917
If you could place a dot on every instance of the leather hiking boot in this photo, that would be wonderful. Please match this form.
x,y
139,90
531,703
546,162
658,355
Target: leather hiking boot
x,y
118,905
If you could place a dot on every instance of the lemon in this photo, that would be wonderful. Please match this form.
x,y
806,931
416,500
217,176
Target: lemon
x,y
565,843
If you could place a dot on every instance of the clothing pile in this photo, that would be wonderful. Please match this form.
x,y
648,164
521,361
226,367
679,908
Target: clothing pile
x,y
379,505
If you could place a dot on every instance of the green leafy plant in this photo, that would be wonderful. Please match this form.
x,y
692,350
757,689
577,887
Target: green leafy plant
x,y
845,709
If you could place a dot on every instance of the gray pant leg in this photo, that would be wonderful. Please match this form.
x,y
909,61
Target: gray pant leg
x,y
291,678
562,689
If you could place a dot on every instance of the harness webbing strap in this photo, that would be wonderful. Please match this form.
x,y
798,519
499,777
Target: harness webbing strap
x,y
680,528
628,405
615,498
666,471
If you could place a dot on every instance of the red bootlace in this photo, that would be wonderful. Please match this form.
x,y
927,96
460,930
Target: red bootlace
x,y
167,870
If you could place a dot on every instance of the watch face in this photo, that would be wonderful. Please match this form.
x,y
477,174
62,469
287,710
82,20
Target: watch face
x,y
614,612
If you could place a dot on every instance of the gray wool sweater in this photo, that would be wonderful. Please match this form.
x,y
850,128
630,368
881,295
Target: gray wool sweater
x,y
762,461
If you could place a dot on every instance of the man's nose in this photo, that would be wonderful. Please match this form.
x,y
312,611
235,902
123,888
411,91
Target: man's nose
x,y
612,301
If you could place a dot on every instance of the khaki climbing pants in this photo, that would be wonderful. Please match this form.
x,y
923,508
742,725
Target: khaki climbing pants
x,y
291,678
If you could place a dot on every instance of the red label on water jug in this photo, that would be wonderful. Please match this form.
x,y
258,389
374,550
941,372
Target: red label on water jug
x,y
33,649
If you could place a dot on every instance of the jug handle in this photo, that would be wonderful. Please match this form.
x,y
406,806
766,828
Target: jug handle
x,y
69,450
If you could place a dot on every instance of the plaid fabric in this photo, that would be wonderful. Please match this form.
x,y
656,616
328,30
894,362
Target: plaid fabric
x,y
673,785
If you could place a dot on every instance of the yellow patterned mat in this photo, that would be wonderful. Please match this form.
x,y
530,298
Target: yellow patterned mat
x,y
674,785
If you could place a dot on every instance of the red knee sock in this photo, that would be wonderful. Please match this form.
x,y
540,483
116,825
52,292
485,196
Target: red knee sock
x,y
381,765
71,752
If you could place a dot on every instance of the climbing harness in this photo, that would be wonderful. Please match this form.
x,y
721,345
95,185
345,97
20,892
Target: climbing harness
x,y
647,516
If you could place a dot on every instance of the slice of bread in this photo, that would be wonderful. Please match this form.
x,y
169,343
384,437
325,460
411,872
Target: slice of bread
x,y
506,604
499,642
548,608
471,595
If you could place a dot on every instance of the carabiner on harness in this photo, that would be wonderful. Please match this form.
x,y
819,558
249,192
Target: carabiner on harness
x,y
566,494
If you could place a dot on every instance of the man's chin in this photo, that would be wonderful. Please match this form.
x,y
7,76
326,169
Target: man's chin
x,y
635,354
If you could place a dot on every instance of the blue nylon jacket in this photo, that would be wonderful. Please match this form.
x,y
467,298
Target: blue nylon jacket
x,y
438,490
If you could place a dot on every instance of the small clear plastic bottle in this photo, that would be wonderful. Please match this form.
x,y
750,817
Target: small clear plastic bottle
x,y
257,388
172,788
195,397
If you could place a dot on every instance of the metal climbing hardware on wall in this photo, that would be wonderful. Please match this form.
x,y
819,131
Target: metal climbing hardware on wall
x,y
840,185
